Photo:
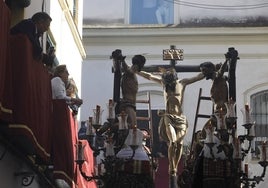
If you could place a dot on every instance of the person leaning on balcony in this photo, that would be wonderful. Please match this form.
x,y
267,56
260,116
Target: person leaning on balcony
x,y
58,84
72,91
34,28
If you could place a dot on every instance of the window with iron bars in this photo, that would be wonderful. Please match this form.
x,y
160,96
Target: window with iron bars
x,y
259,114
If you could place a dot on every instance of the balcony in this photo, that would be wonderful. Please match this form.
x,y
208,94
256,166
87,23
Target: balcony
x,y
38,130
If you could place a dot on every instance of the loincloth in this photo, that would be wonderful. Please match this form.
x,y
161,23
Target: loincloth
x,y
126,104
179,123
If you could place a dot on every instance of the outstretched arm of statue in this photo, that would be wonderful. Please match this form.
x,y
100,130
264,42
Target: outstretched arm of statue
x,y
124,65
223,66
150,76
191,80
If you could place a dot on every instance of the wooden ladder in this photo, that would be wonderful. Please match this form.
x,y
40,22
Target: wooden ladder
x,y
148,118
149,128
197,115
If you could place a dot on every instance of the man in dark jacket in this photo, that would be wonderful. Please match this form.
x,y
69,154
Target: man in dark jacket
x,y
34,28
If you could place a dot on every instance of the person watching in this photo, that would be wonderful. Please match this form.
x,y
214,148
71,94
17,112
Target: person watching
x,y
58,84
34,28
72,91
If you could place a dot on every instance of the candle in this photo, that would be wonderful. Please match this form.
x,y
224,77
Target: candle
x,y
134,141
80,151
110,147
246,169
230,106
237,147
220,116
209,133
264,151
230,141
247,114
110,109
89,126
252,130
97,114
222,119
122,118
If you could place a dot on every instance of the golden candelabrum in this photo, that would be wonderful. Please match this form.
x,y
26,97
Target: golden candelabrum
x,y
249,126
221,136
239,152
108,137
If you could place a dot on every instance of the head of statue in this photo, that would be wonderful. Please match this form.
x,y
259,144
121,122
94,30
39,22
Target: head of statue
x,y
117,55
208,69
169,79
139,61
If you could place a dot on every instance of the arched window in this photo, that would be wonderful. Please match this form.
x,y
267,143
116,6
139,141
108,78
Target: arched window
x,y
259,114
259,106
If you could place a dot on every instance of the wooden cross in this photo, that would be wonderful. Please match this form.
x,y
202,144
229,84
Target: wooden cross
x,y
174,54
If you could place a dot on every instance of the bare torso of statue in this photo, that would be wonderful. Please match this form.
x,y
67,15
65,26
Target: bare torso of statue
x,y
219,88
219,92
174,100
129,85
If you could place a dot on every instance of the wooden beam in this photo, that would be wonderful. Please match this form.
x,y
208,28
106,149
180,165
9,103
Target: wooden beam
x,y
178,68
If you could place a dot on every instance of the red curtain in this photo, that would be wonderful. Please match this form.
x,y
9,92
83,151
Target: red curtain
x,y
64,142
32,97
5,67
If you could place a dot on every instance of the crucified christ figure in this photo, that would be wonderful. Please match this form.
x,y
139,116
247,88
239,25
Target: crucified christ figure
x,y
173,124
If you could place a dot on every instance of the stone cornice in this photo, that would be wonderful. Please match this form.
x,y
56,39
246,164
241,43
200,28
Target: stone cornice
x,y
164,31
157,36
241,35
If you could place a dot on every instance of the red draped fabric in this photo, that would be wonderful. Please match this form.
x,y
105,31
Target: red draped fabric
x,y
32,97
88,168
64,142
5,68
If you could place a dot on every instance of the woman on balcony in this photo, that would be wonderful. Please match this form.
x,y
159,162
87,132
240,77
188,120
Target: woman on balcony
x,y
58,84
